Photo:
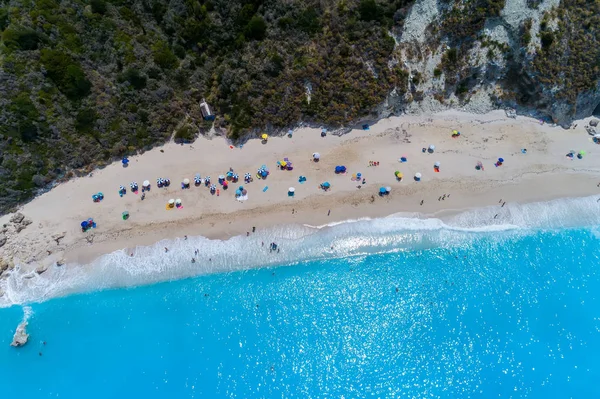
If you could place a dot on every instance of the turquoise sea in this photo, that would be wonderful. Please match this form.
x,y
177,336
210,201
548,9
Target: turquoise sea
x,y
472,307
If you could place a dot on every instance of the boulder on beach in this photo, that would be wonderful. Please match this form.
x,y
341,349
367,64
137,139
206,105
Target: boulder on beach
x,y
21,337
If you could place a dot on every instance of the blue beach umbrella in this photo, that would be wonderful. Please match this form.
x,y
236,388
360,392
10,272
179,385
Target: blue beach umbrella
x,y
326,184
500,159
382,190
238,193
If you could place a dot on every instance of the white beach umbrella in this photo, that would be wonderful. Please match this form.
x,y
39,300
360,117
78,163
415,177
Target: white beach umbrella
x,y
186,181
388,189
431,147
146,183
316,155
437,164
417,175
178,201
291,189
171,201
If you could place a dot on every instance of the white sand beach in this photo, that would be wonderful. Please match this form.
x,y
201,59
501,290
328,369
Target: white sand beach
x,y
543,173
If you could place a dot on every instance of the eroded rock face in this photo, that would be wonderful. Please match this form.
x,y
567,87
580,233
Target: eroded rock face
x,y
21,337
2,240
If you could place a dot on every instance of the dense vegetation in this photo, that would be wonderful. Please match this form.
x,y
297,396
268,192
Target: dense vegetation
x,y
86,82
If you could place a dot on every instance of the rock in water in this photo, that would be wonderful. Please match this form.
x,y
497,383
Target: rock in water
x,y
20,338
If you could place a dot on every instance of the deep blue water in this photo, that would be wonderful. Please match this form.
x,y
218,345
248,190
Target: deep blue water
x,y
510,317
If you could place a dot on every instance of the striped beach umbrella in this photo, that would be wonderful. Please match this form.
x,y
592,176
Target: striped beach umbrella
x,y
247,176
213,187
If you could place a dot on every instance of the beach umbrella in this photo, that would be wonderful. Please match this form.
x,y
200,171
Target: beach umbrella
x,y
326,184
382,190
418,176
207,179
125,215
581,152
399,175
388,189
244,192
236,176
186,181
431,147
238,192
265,136
146,183
171,202
316,155
264,167
290,132
291,189
121,188
500,160
240,187
125,161
213,187
178,201
221,177
437,164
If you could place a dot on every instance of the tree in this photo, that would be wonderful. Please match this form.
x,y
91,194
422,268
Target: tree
x,y
369,10
163,56
66,74
21,38
98,6
256,28
134,77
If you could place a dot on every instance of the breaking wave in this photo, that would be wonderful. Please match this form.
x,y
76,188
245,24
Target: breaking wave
x,y
296,243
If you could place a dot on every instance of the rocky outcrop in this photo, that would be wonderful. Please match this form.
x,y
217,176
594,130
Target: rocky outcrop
x,y
2,239
21,337
17,218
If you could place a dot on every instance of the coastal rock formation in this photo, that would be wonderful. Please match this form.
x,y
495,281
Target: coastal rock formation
x,y
17,218
2,239
21,337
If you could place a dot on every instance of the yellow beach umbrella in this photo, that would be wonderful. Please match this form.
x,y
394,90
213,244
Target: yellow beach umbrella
x,y
399,175
265,136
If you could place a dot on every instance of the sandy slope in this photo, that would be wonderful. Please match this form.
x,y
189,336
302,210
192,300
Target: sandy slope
x,y
543,173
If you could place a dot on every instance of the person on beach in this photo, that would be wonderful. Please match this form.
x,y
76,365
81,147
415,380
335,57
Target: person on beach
x,y
329,212
185,237
253,229
166,249
422,202
193,260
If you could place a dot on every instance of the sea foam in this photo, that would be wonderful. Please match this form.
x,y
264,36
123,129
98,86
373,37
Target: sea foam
x,y
296,243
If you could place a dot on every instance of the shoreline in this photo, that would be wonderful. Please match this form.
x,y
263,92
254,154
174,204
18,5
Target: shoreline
x,y
544,173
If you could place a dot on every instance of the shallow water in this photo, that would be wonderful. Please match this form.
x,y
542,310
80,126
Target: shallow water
x,y
480,315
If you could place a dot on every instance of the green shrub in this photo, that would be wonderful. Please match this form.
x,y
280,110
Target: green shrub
x,y
21,38
86,118
547,38
135,78
369,10
437,72
256,28
98,6
185,134
308,21
66,74
3,18
163,56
